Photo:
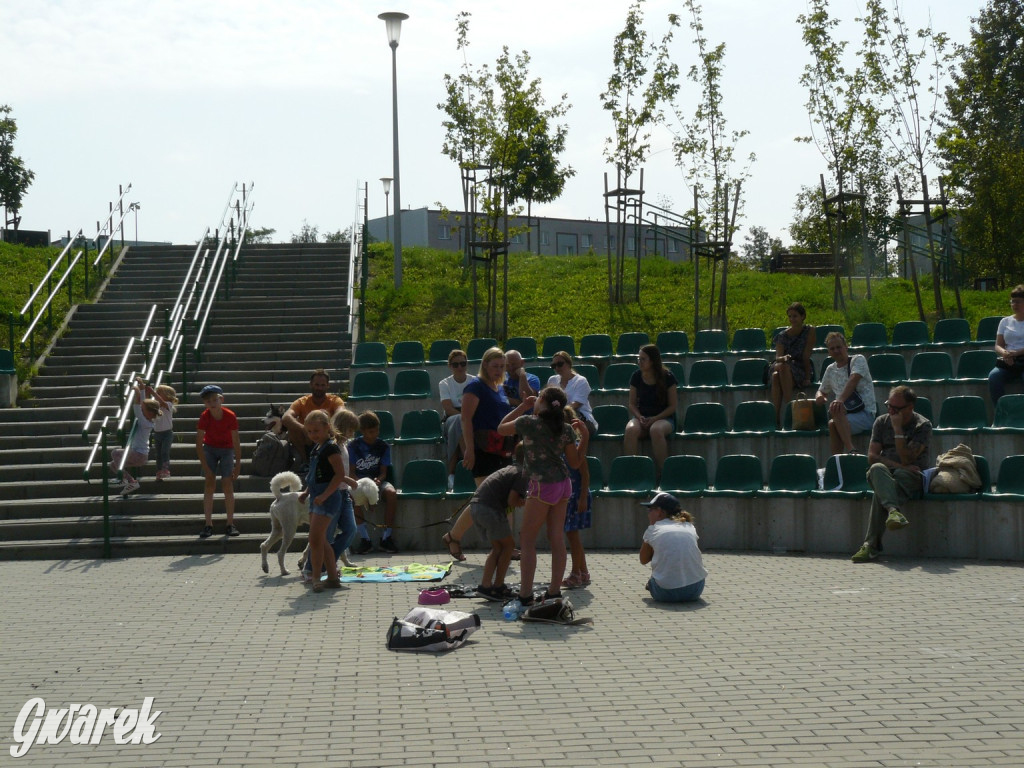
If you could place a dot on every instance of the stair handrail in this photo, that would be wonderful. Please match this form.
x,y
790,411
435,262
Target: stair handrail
x,y
51,297
50,271
177,315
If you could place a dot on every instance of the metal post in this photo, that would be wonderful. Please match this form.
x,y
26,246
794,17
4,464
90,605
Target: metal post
x,y
397,243
105,456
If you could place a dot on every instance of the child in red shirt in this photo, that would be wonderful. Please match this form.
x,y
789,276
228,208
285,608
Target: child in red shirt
x,y
220,452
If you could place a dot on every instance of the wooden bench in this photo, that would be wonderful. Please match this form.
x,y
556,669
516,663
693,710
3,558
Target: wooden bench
x,y
803,263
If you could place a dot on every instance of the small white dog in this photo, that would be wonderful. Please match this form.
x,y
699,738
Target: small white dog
x,y
365,494
286,514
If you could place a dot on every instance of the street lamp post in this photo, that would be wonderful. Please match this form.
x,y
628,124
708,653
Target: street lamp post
x,y
135,207
393,21
386,181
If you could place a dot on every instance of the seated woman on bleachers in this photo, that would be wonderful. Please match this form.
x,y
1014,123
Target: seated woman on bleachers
x,y
1009,347
450,390
847,381
791,368
576,387
653,395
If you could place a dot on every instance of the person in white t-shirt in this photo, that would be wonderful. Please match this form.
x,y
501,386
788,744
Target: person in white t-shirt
x,y
450,390
1009,348
670,546
847,375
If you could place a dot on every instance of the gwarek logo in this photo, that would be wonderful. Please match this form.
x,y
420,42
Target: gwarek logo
x,y
82,724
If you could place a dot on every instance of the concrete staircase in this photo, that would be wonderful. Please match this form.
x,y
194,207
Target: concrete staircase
x,y
286,315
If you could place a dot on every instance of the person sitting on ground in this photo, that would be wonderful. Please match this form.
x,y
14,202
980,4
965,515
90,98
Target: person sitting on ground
x,y
576,387
792,365
898,454
653,395
370,457
450,390
519,384
847,375
489,506
318,399
1009,348
670,546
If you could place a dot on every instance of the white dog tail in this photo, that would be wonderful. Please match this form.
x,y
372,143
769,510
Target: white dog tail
x,y
285,481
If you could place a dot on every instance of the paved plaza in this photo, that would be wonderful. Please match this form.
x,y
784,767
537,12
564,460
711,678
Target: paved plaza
x,y
790,660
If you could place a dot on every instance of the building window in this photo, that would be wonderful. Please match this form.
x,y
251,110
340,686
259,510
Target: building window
x,y
585,242
444,232
544,238
516,239
673,246
631,243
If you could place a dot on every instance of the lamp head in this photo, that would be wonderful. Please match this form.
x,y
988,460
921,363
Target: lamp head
x,y
386,181
393,20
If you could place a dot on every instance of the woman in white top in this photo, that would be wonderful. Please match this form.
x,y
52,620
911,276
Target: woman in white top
x,y
576,388
450,390
847,375
670,546
1009,347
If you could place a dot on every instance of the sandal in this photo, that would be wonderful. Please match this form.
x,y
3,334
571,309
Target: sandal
x,y
333,583
454,547
318,586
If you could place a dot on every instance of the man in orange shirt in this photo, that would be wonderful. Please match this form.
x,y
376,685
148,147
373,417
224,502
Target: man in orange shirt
x,y
317,400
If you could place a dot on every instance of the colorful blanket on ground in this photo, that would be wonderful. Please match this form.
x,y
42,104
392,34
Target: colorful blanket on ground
x,y
410,572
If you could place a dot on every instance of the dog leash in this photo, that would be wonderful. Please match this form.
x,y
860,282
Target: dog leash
x,y
447,521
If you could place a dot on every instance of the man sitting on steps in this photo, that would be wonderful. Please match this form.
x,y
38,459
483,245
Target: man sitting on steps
x,y
317,400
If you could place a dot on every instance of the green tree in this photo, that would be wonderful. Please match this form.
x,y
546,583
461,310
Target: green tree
x,y
310,233
759,247
643,80
809,230
15,178
982,142
259,236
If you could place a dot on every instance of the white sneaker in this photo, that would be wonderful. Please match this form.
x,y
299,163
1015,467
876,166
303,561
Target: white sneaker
x,y
131,487
115,482
451,482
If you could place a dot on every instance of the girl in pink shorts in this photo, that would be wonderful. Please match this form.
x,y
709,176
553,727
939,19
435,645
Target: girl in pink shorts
x,y
546,438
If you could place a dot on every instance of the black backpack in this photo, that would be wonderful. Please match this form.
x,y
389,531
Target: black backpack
x,y
273,454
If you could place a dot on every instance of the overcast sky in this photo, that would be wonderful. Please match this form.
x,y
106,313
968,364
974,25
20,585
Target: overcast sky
x,y
182,98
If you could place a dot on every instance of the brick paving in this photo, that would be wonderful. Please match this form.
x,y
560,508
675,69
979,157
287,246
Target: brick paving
x,y
790,661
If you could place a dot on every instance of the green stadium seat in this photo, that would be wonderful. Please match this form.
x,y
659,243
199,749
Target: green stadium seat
x,y
553,344
387,426
476,348
1009,415
922,405
596,348
590,373
684,475
412,383
677,370
910,333
820,421
709,342
962,413
542,372
673,343
420,427
7,367
407,353
931,366
887,368
596,475
853,468
611,421
369,385
791,475
631,476
464,486
440,349
424,479
704,420
524,345
984,474
708,374
951,331
737,475
616,377
975,364
749,340
987,329
748,373
370,354
753,417
821,331
628,344
869,336
1009,482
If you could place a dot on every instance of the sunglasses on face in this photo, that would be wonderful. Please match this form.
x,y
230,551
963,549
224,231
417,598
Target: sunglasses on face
x,y
460,364
558,364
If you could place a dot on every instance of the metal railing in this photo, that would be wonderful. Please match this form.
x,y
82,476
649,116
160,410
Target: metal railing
x,y
190,313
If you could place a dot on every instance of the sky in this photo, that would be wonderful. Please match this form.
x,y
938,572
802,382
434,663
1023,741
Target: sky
x,y
183,99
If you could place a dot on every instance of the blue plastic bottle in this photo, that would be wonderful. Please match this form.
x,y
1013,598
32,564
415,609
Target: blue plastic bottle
x,y
513,609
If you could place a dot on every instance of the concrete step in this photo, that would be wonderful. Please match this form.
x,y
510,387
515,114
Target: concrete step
x,y
149,546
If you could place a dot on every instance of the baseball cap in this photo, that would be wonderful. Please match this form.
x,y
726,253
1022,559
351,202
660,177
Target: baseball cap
x,y
210,389
665,502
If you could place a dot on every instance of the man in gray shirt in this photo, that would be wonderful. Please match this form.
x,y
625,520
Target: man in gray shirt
x,y
898,453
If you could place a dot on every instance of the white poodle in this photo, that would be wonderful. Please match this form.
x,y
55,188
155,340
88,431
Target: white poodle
x,y
365,494
286,514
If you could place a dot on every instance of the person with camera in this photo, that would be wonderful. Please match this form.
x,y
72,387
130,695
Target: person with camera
x,y
847,381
